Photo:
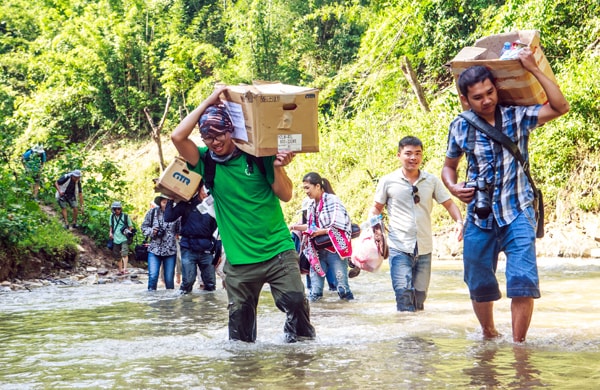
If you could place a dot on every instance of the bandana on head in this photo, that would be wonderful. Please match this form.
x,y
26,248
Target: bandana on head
x,y
214,121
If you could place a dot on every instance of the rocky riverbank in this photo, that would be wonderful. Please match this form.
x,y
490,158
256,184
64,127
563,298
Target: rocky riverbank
x,y
579,239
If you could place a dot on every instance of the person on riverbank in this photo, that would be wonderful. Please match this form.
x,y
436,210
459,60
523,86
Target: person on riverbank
x,y
197,243
408,194
326,216
510,226
34,159
68,192
119,225
251,223
162,250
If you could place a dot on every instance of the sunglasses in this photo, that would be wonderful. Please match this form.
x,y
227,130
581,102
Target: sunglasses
x,y
416,197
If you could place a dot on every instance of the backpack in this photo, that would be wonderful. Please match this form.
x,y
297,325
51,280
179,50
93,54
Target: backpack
x,y
210,167
27,155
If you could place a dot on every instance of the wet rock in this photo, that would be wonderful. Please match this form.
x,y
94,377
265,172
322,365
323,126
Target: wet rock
x,y
90,280
33,284
67,282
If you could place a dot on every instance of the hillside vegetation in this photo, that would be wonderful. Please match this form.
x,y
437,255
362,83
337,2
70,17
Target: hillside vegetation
x,y
77,76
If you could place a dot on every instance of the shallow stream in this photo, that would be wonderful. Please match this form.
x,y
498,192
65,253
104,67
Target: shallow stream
x,y
120,336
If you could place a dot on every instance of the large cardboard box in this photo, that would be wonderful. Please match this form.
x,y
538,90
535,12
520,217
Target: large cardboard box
x,y
177,181
516,86
269,117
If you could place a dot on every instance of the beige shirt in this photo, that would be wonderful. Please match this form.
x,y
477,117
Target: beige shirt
x,y
410,223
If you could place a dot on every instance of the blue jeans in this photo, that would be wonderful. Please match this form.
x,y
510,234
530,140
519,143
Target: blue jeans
x,y
480,258
189,260
410,279
154,263
338,267
330,280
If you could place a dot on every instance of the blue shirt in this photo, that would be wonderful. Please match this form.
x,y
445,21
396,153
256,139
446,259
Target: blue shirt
x,y
486,158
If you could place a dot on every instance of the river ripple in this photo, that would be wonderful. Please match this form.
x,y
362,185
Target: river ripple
x,y
120,336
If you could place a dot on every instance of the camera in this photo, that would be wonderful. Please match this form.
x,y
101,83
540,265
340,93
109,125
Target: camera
x,y
483,203
160,233
129,233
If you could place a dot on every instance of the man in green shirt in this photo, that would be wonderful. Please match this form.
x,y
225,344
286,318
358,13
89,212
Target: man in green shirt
x,y
255,236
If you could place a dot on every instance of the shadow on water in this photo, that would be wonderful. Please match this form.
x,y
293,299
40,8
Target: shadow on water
x,y
120,336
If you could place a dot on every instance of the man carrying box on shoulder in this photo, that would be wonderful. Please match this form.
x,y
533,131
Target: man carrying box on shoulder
x,y
250,219
510,224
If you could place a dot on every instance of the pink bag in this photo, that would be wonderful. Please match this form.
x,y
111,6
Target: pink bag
x,y
370,248
365,254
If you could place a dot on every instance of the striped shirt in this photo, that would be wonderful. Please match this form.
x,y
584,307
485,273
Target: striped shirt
x,y
486,158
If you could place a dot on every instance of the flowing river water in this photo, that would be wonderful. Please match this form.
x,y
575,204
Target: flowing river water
x,y
120,336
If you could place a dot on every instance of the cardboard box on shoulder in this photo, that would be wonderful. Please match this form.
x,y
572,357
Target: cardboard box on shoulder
x,y
270,117
177,181
516,85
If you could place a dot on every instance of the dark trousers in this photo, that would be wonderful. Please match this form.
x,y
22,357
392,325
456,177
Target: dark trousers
x,y
244,284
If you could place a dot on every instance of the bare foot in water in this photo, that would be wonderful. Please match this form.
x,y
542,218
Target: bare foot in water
x,y
490,334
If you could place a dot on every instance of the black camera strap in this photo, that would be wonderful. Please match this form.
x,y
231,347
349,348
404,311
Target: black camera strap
x,y
496,135
112,220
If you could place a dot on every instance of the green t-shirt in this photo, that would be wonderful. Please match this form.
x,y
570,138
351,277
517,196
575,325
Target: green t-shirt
x,y
118,222
248,212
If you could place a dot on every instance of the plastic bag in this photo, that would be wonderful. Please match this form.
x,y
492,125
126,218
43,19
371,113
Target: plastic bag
x,y
365,254
370,248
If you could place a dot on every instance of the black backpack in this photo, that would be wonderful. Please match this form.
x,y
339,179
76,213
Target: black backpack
x,y
210,167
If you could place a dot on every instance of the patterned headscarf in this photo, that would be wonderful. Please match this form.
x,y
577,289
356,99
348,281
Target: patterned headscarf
x,y
214,121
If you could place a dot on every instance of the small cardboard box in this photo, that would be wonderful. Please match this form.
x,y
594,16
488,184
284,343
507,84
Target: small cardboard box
x,y
269,117
177,181
516,86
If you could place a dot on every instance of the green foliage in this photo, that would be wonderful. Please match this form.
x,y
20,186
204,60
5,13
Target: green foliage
x,y
24,229
77,76
102,182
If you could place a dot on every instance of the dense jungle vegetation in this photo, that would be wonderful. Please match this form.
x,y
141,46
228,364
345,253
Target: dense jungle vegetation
x,y
78,75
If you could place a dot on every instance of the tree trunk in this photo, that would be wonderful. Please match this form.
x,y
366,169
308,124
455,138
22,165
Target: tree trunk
x,y
156,129
410,75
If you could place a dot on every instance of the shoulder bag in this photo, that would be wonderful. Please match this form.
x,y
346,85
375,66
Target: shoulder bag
x,y
323,241
141,250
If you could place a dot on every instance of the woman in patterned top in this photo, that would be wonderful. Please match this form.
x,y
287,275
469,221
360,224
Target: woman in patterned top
x,y
163,246
326,216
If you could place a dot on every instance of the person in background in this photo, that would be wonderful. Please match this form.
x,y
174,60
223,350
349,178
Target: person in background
x,y
297,237
33,160
197,243
255,237
408,194
68,190
326,215
120,224
162,250
510,226
178,261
